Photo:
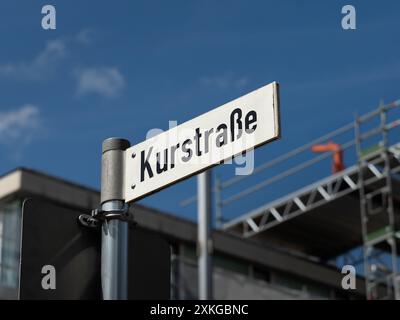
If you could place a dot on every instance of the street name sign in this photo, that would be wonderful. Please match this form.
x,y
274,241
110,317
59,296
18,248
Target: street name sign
x,y
196,145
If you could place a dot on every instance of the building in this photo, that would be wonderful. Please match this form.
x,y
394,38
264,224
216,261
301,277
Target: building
x,y
243,268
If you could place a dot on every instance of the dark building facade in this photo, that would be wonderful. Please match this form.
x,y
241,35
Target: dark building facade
x,y
242,268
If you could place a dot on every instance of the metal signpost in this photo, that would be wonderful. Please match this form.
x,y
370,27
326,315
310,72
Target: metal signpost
x,y
204,242
114,244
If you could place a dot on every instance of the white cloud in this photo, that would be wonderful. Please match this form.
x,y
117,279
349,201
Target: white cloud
x,y
225,82
41,65
103,81
85,37
18,126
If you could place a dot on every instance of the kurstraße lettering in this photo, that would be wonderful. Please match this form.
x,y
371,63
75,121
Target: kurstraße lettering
x,y
224,133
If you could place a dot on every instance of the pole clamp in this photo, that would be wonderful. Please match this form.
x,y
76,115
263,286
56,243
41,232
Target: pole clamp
x,y
99,216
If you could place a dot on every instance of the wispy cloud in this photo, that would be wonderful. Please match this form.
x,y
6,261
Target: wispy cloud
x,y
42,65
18,126
85,37
104,81
45,62
227,81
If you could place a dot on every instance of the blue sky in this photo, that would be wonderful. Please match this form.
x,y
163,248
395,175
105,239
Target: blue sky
x,y
121,68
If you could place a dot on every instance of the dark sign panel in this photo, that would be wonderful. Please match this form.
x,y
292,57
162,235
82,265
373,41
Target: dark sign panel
x,y
149,268
60,258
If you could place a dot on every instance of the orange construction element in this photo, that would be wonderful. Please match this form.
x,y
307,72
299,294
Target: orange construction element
x,y
331,146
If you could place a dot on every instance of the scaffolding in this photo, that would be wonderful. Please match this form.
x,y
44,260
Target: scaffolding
x,y
381,280
369,182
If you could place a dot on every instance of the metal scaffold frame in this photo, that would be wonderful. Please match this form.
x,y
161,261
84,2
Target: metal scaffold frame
x,y
375,270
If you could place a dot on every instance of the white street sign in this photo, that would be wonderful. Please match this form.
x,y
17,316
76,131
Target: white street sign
x,y
190,148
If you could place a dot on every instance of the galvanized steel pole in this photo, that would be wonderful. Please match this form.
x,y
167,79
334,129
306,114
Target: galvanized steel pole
x,y
204,242
114,246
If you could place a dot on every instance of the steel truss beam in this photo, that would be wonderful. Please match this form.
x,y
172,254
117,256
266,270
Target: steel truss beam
x,y
315,195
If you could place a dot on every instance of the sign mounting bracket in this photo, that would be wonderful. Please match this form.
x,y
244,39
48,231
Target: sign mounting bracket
x,y
99,216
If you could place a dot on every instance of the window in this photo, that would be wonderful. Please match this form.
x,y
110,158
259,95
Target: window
x,y
10,231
